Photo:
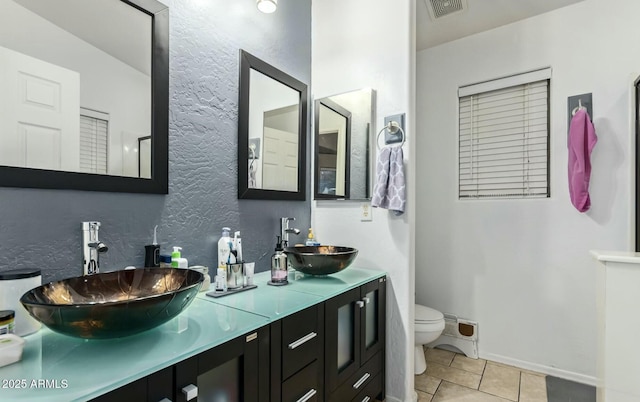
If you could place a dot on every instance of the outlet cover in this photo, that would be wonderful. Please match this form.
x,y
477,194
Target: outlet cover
x,y
365,212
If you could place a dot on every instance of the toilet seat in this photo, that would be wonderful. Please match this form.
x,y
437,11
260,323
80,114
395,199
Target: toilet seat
x,y
427,315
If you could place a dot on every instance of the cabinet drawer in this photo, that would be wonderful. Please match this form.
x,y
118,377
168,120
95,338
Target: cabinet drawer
x,y
359,381
300,340
371,390
303,386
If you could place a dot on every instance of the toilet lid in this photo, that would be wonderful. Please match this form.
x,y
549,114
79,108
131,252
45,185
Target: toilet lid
x,y
427,314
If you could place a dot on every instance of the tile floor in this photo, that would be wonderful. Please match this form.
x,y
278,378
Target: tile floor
x,y
455,377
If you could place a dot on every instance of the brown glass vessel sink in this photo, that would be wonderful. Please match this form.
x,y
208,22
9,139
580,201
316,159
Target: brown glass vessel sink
x,y
113,304
320,260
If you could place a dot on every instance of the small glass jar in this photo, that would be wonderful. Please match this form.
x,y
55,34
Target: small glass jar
x,y
7,321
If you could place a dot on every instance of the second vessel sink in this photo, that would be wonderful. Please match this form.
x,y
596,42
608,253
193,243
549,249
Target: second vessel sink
x,y
320,260
113,304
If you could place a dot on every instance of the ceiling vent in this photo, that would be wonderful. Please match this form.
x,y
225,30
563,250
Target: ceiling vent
x,y
441,8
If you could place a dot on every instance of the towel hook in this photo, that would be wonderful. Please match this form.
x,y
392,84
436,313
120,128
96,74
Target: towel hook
x,y
579,107
393,128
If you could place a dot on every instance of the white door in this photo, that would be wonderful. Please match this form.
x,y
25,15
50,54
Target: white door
x,y
39,113
280,160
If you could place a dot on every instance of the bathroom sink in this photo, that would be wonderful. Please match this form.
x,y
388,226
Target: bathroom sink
x,y
320,260
113,304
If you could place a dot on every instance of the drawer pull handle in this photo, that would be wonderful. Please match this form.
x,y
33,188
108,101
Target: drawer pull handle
x,y
366,399
360,303
307,396
361,381
252,337
366,300
302,340
190,392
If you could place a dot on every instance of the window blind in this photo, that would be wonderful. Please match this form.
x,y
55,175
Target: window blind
x,y
504,142
93,142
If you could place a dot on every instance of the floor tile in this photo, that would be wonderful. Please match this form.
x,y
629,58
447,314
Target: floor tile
x,y
439,356
448,392
533,388
424,397
426,383
501,381
465,363
454,375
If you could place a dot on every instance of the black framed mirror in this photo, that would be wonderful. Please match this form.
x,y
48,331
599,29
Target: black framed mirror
x,y
272,132
342,145
86,95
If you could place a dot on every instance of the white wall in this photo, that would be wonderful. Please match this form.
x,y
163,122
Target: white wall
x,y
521,268
353,48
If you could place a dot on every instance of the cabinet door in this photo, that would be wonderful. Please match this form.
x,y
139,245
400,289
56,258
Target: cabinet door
x,y
372,334
229,372
342,323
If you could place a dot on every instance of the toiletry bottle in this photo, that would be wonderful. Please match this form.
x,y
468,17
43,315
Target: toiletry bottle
x,y
152,252
279,265
311,240
224,250
237,245
175,257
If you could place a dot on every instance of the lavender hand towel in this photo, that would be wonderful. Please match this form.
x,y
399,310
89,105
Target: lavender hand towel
x,y
582,139
389,190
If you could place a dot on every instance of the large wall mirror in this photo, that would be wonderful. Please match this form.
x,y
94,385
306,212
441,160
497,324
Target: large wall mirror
x,y
272,131
343,138
84,94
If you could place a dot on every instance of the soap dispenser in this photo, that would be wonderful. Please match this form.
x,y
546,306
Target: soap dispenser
x,y
311,239
176,259
278,266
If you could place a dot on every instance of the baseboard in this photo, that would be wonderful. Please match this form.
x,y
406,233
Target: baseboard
x,y
567,375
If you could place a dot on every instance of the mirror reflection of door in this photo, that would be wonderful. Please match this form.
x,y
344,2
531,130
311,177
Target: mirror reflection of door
x,y
78,61
333,134
274,124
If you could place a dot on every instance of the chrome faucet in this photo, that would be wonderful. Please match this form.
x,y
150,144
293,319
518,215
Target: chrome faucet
x,y
91,248
285,230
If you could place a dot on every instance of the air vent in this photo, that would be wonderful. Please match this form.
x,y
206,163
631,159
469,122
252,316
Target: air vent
x,y
442,8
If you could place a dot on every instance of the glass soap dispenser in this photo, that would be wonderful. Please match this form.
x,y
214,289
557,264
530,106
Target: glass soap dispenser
x,y
278,265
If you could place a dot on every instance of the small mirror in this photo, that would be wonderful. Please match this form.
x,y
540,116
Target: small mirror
x,y
343,139
271,132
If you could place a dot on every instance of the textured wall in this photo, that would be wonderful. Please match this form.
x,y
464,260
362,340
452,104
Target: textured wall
x,y
42,228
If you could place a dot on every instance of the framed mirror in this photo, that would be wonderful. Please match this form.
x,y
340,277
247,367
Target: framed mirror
x,y
86,105
342,148
272,121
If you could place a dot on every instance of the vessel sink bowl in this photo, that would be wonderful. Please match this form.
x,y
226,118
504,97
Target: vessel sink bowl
x,y
320,260
113,304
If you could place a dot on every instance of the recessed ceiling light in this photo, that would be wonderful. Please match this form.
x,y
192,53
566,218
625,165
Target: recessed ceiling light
x,y
267,6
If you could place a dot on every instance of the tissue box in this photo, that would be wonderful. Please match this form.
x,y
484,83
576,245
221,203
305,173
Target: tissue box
x,y
10,349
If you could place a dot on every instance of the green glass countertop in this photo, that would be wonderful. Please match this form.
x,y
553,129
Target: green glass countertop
x,y
56,367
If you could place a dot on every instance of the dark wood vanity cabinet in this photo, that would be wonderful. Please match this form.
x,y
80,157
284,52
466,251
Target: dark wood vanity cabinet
x,y
354,345
331,351
234,371
297,356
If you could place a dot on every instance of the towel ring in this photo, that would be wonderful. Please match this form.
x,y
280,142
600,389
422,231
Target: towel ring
x,y
393,128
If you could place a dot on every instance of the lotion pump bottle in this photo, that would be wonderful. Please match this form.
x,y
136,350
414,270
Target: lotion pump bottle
x,y
223,248
279,265
175,257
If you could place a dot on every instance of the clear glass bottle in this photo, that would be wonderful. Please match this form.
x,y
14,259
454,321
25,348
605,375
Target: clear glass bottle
x,y
279,265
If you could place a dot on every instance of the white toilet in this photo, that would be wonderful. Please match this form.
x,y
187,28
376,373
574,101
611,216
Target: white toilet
x,y
429,324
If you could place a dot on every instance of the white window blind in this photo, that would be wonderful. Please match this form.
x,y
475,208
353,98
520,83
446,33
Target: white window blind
x,y
504,140
94,127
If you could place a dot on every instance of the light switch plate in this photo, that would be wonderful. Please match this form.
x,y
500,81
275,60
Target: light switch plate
x,y
365,212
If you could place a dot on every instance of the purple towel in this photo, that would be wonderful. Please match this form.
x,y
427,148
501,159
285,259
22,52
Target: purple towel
x,y
582,139
389,191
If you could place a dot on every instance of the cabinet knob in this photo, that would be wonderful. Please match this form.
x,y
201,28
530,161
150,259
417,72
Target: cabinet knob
x,y
307,396
190,392
360,303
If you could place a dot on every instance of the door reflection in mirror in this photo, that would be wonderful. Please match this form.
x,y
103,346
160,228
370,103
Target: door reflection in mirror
x,y
76,62
332,147
273,121
343,161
